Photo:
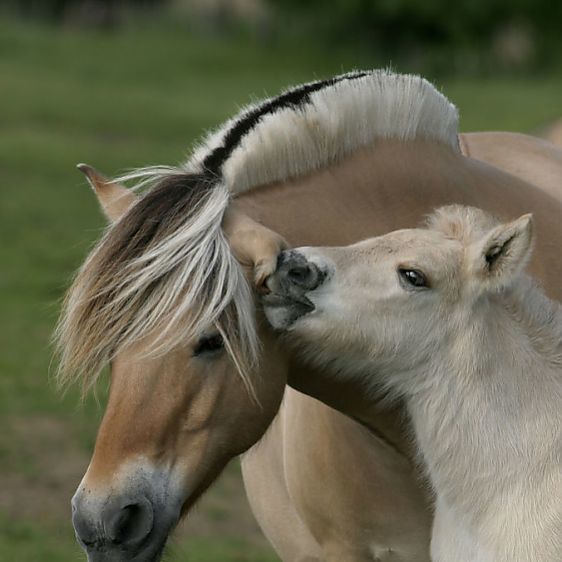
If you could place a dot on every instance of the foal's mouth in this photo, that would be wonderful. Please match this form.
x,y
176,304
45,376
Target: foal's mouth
x,y
282,311
289,288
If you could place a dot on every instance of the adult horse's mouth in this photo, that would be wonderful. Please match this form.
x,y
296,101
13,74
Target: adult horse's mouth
x,y
154,553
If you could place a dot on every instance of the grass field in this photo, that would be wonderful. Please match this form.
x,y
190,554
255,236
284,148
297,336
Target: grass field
x,y
118,101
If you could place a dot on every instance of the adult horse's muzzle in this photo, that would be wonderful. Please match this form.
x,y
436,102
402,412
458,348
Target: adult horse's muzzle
x,y
122,527
289,288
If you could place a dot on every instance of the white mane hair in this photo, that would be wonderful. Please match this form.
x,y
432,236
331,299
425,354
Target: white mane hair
x,y
166,266
351,111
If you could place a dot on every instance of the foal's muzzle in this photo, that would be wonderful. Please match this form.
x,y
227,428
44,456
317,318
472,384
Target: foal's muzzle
x,y
294,278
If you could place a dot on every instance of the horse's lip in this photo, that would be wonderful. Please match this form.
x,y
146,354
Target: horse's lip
x,y
98,555
151,551
277,300
283,311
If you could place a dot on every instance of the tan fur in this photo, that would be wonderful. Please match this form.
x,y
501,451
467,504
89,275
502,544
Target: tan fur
x,y
531,159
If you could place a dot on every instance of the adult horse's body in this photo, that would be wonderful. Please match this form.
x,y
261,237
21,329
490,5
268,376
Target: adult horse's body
x,y
334,162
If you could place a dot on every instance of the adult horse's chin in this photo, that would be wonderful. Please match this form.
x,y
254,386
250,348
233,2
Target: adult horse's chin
x,y
152,554
290,288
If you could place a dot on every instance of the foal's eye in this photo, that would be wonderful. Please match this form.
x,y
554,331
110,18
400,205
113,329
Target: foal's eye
x,y
413,277
209,344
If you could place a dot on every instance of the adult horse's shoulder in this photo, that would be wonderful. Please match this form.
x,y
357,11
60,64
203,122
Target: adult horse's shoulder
x,y
529,158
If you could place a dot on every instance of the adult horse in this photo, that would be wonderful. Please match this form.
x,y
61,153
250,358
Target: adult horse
x,y
193,366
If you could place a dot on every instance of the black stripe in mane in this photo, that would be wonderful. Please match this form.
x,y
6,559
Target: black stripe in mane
x,y
299,96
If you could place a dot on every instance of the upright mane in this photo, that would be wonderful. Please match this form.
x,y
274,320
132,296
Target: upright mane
x,y
317,124
165,268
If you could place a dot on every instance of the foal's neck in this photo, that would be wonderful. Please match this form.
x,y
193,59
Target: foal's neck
x,y
536,319
516,333
490,403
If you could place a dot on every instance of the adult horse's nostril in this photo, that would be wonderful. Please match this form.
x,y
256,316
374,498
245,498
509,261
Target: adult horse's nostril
x,y
128,524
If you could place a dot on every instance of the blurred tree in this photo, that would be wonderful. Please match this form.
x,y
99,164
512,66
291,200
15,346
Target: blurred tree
x,y
96,12
495,26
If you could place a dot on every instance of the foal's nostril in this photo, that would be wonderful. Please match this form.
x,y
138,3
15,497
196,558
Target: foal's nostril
x,y
128,524
300,274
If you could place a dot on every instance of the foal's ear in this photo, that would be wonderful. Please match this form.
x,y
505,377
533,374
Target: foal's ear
x,y
503,252
254,245
114,198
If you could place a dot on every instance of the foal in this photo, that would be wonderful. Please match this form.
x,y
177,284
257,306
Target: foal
x,y
445,317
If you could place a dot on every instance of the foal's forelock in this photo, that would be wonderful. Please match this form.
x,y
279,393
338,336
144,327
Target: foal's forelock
x,y
163,271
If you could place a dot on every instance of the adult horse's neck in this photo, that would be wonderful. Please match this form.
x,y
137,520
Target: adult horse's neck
x,y
393,185
384,187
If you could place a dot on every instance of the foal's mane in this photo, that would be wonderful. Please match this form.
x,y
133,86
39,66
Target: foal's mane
x,y
165,270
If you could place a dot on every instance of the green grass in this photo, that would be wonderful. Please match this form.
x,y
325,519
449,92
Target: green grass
x,y
118,101
28,542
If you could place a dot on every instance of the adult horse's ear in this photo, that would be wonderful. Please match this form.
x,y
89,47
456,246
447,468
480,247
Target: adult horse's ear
x,y
503,252
255,246
114,198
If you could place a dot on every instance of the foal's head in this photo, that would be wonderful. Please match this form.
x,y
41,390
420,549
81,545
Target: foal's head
x,y
195,376
392,299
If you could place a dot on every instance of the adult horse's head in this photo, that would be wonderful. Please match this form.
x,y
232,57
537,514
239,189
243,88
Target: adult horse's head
x,y
165,299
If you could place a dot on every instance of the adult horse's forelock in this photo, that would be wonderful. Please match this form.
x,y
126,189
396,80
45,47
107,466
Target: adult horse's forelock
x,y
164,271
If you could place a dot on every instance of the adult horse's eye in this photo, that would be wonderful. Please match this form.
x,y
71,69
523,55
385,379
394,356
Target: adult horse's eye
x,y
413,278
209,344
